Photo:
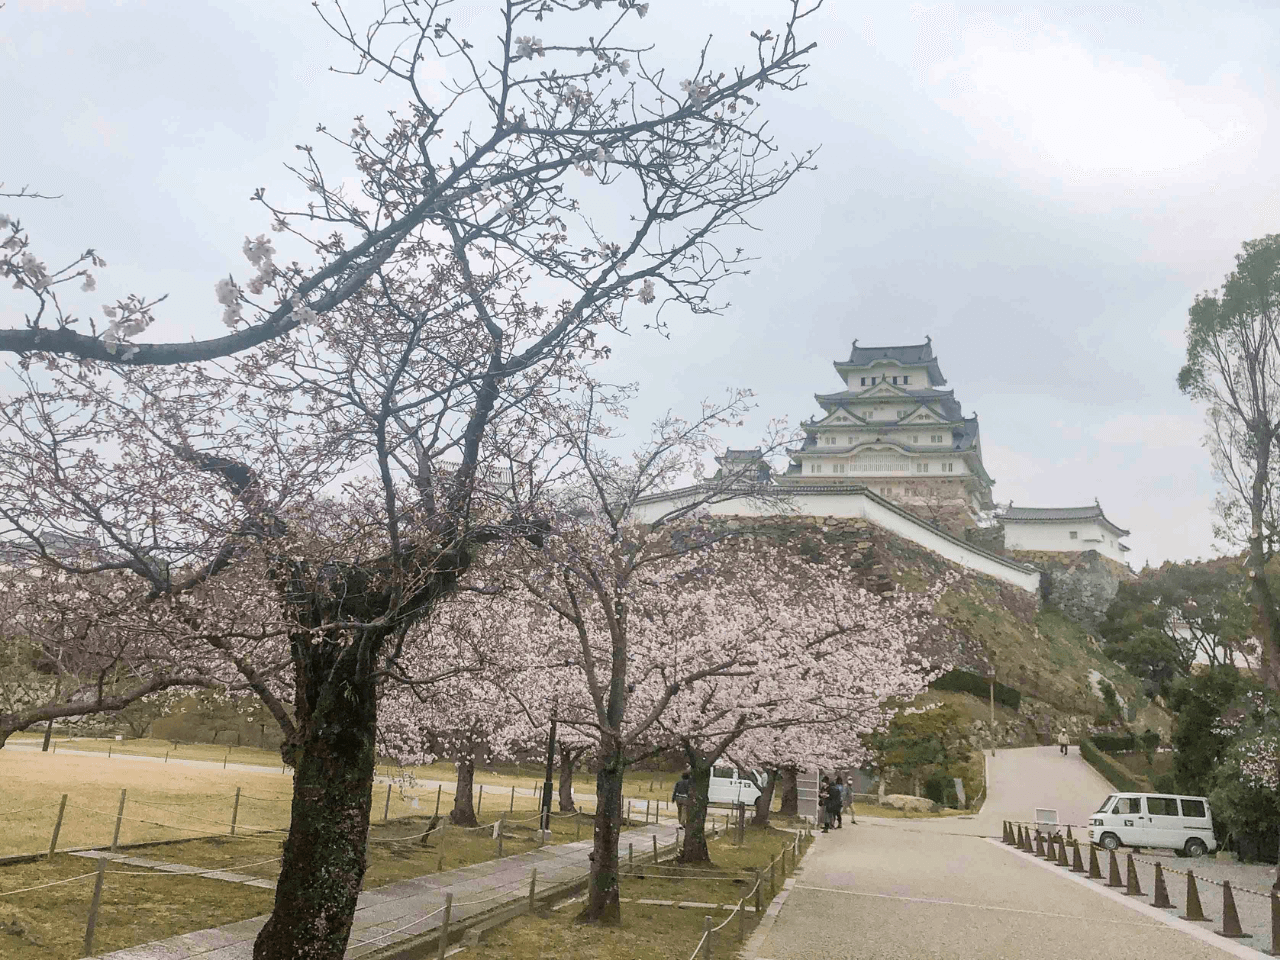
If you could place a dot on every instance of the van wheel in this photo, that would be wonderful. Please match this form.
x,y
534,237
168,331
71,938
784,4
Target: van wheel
x,y
1196,847
1110,841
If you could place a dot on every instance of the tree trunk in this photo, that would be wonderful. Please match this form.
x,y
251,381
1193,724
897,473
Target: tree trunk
x,y
764,802
790,803
695,831
568,762
324,855
463,813
602,889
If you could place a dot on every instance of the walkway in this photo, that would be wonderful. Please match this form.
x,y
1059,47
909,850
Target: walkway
x,y
408,908
926,889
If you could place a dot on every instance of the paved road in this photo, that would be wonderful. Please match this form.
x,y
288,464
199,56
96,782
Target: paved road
x,y
925,889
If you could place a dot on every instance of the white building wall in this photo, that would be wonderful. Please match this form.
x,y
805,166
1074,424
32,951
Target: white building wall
x,y
860,504
1055,535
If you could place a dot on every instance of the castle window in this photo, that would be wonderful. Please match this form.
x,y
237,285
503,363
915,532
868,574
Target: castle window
x,y
1074,535
895,379
922,468
864,381
906,380
915,438
873,381
936,438
949,467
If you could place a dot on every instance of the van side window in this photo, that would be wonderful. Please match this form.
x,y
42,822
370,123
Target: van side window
x,y
1162,806
1193,808
723,773
1128,805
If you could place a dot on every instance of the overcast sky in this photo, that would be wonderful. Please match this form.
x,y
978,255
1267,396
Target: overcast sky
x,y
1043,191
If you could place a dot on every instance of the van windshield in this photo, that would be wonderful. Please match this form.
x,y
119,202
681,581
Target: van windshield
x,y
1105,803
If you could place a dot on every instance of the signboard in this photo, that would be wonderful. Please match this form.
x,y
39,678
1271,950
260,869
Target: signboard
x,y
807,794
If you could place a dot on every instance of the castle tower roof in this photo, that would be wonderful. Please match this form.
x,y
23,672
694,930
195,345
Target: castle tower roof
x,y
909,355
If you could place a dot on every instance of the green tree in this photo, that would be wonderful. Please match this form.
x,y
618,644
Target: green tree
x,y
1199,741
924,743
1233,366
1161,623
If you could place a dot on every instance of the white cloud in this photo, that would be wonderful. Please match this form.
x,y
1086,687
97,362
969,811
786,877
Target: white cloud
x,y
1044,100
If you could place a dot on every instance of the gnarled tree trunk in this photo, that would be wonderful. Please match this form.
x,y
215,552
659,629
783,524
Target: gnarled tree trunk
x,y
695,849
568,763
790,802
324,854
764,802
463,813
602,889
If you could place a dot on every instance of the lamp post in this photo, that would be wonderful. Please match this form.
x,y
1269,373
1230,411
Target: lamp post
x,y
991,678
546,786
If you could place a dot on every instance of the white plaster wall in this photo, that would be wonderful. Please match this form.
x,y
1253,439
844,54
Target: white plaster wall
x,y
858,504
1055,535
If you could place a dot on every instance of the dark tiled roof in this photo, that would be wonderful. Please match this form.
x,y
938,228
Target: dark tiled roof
x,y
911,354
949,405
1093,512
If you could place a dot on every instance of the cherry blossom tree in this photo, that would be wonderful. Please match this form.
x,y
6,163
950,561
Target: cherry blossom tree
x,y
495,166
282,519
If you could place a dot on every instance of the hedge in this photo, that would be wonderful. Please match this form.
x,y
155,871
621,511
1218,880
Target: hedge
x,y
1116,773
962,681
1117,743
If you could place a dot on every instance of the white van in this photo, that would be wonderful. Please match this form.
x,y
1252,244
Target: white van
x,y
727,788
1154,820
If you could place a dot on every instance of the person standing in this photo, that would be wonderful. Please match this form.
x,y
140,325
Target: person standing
x,y
680,797
824,798
1063,741
848,801
838,801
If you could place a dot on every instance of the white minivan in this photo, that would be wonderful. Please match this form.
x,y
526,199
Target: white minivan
x,y
727,788
1154,820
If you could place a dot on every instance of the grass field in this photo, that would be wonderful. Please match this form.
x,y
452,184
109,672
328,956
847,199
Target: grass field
x,y
650,931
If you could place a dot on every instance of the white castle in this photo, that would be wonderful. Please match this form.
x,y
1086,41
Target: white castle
x,y
894,447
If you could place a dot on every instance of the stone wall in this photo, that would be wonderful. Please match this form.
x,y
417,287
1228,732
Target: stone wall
x,y
1081,585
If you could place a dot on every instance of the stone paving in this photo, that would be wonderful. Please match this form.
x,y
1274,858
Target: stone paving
x,y
407,908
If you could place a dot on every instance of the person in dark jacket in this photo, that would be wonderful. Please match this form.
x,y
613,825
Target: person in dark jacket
x,y
832,799
838,801
680,797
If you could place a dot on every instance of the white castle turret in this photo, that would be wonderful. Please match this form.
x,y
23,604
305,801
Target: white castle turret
x,y
894,430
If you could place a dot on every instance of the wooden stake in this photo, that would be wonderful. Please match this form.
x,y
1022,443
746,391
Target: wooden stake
x,y
480,802
57,826
439,787
235,812
631,855
655,847
533,886
706,938
93,907
512,807
444,926
115,839
500,822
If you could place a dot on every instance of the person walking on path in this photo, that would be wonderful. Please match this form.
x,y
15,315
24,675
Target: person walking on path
x,y
830,797
680,797
838,801
848,801
1063,741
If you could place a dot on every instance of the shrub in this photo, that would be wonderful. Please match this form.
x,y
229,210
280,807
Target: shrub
x,y
1117,775
1115,743
962,681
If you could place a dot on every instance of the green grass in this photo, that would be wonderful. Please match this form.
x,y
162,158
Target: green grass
x,y
137,906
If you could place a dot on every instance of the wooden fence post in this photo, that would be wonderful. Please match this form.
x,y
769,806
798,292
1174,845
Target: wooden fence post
x,y
444,926
655,847
224,759
93,907
480,801
500,823
439,787
578,834
533,886
57,826
512,807
773,887
706,938
115,839
756,871
386,807
235,812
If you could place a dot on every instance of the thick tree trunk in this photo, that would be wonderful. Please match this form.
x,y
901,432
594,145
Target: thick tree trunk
x,y
695,849
790,802
764,802
568,763
463,813
324,855
602,889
